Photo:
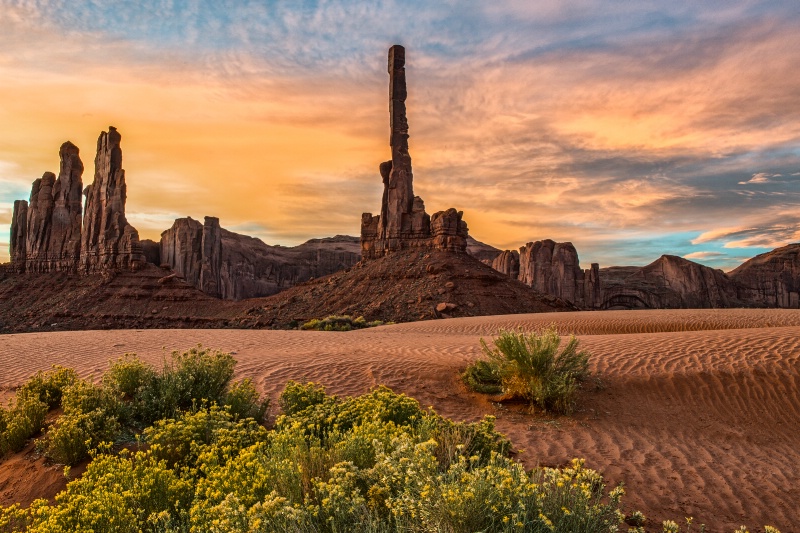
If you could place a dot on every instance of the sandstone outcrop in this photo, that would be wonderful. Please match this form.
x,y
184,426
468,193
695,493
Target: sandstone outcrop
x,y
507,263
46,231
403,222
670,282
553,268
227,265
108,242
772,279
19,228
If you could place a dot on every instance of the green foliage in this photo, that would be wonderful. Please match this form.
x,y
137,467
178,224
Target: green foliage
x,y
181,441
530,366
23,419
340,323
128,375
187,378
243,401
297,397
375,463
49,386
91,417
25,414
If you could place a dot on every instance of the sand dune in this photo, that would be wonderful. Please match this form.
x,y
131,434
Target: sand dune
x,y
697,411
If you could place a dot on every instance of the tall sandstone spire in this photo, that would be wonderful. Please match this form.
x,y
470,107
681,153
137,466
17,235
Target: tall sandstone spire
x,y
403,222
108,242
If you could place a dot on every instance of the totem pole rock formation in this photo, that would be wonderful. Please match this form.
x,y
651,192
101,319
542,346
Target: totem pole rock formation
x,y
403,222
108,241
47,234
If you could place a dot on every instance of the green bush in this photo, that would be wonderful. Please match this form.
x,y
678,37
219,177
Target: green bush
x,y
530,366
49,386
187,378
25,414
23,419
91,417
128,375
340,323
182,440
243,401
297,397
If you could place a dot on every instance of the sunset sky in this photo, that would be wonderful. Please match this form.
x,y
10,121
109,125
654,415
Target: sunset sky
x,y
632,129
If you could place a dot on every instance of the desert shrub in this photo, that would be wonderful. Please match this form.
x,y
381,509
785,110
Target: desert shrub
x,y
186,379
530,366
243,401
23,419
123,493
25,414
180,441
340,323
483,376
49,386
128,375
91,417
297,397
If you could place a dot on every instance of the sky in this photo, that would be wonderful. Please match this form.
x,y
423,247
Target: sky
x,y
631,129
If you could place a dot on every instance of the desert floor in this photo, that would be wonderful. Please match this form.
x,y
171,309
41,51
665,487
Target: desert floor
x,y
696,411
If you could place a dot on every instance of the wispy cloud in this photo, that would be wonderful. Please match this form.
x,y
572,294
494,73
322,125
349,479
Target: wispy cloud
x,y
595,122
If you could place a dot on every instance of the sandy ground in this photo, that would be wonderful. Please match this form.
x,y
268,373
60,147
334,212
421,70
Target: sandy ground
x,y
697,411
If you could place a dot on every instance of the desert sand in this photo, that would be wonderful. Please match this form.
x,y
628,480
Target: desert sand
x,y
697,411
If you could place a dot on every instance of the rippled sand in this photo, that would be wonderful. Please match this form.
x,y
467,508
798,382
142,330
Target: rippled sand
x,y
698,411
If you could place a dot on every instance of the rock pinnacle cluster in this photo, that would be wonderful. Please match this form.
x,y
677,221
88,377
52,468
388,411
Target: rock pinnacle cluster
x,y
48,234
403,222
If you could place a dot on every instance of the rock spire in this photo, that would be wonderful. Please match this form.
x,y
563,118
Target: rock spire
x,y
108,242
47,234
403,222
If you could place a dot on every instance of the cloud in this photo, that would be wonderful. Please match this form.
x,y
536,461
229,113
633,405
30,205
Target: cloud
x,y
761,177
704,255
590,122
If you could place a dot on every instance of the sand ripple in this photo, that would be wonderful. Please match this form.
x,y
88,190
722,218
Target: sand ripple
x,y
698,410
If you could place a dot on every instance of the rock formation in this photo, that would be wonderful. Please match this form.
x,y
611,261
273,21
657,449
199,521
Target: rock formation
x,y
553,268
403,222
19,230
670,282
234,267
507,263
772,279
46,232
108,242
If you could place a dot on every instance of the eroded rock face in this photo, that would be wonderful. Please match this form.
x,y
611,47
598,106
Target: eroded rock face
x,y
108,242
553,268
507,263
403,222
670,282
234,267
772,279
65,231
19,230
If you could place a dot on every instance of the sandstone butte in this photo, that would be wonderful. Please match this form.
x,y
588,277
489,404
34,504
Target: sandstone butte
x,y
52,233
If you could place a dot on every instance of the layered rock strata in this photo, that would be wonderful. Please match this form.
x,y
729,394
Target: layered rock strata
x,y
403,222
227,265
108,242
